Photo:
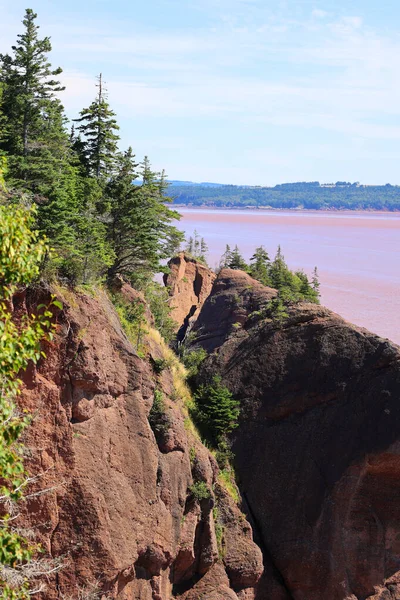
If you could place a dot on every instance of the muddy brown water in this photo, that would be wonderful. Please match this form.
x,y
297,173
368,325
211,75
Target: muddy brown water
x,y
357,254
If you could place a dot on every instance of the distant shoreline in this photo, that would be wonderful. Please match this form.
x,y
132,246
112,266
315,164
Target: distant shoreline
x,y
291,210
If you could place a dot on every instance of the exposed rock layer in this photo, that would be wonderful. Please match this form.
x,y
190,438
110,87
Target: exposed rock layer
x,y
118,507
318,446
190,283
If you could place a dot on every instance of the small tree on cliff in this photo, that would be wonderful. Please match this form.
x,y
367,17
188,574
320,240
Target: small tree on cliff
x,y
217,409
259,265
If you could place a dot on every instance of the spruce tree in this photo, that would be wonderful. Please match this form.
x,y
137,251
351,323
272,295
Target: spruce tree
x,y
259,265
140,229
217,410
98,125
225,258
29,88
236,260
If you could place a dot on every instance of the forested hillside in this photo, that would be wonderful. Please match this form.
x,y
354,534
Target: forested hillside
x,y
311,196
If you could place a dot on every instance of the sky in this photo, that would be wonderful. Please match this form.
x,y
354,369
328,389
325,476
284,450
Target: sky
x,y
254,92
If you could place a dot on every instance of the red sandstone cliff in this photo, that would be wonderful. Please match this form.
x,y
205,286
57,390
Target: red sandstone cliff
x,y
318,446
118,510
190,283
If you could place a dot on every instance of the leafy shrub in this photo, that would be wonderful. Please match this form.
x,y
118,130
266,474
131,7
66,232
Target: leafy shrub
x,y
200,491
159,364
192,361
133,320
158,419
21,252
219,533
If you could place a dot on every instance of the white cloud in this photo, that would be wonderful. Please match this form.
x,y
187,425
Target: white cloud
x,y
320,14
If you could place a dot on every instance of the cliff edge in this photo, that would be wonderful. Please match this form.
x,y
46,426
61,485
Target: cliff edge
x,y
317,450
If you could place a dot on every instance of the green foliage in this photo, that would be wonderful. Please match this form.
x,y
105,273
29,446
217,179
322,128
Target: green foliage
x,y
217,411
28,98
200,491
260,265
192,359
192,455
139,229
159,364
132,316
158,300
21,252
226,479
219,533
224,454
158,419
197,248
277,310
98,125
232,259
312,196
96,219
292,286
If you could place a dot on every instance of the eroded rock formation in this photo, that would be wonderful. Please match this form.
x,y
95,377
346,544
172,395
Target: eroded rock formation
x,y
118,510
190,283
318,446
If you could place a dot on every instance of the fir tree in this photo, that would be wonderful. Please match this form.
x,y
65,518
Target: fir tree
x,y
203,251
190,246
225,258
98,125
217,410
28,94
236,260
259,265
140,229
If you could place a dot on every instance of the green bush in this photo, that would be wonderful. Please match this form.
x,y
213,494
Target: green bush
x,y
200,491
192,361
158,419
159,364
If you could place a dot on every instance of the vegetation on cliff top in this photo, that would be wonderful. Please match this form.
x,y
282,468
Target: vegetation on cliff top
x,y
97,220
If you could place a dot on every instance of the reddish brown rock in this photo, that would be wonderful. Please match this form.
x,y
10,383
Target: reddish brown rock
x,y
190,283
318,446
242,558
117,511
213,586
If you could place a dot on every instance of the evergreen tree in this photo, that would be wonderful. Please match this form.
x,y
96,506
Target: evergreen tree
x,y
190,246
140,229
98,126
203,251
28,100
236,260
197,247
315,283
225,258
217,409
259,265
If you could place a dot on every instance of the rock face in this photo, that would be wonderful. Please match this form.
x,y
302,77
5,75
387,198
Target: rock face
x,y
118,508
190,283
318,446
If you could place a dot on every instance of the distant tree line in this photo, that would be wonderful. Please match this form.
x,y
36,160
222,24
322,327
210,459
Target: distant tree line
x,y
311,196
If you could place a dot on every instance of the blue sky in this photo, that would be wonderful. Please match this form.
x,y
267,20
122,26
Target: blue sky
x,y
237,91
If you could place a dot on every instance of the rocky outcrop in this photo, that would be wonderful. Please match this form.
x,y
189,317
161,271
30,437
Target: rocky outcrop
x,y
117,508
189,282
318,446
